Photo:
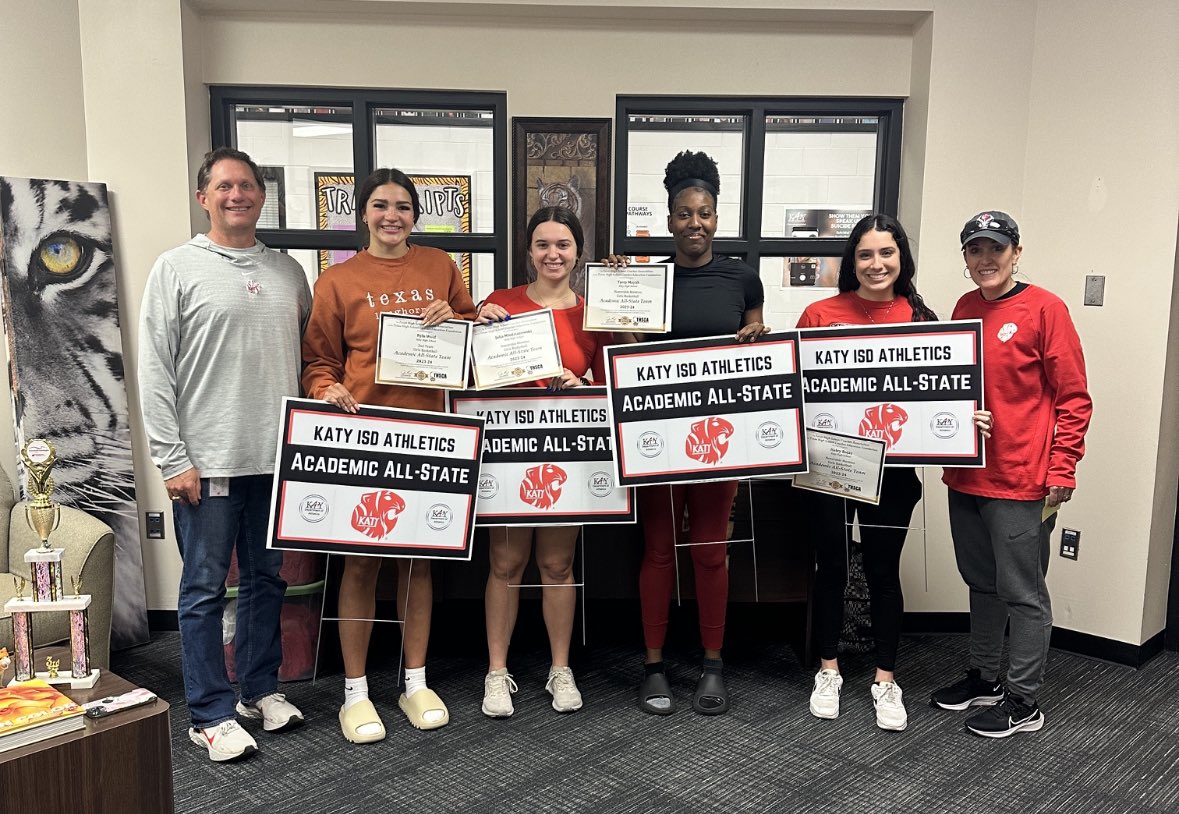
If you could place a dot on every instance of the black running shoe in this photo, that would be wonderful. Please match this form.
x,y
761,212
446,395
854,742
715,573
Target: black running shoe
x,y
1011,716
970,691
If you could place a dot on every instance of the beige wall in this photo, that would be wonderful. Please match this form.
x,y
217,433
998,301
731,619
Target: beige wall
x,y
1015,105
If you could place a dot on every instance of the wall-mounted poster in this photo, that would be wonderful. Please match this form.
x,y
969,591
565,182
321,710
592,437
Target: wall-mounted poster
x,y
446,207
65,364
566,163
817,271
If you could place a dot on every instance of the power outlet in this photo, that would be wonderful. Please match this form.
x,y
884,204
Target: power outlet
x,y
155,525
1070,543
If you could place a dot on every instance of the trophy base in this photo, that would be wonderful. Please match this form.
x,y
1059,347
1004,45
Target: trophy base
x,y
83,683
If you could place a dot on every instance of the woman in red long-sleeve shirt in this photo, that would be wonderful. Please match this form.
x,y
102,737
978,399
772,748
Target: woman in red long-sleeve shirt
x,y
1002,516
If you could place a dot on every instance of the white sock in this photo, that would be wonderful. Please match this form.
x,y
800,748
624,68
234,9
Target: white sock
x,y
415,680
355,690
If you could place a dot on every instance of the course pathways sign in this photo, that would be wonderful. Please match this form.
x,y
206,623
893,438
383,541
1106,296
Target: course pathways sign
x,y
706,409
915,386
547,457
383,481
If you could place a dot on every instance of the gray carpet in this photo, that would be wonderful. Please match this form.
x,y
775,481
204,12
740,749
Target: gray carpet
x,y
1109,744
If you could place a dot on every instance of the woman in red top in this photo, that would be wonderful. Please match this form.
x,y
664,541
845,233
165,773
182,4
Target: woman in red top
x,y
1001,516
555,242
876,287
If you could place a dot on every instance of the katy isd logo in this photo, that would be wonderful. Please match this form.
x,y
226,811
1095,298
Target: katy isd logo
x,y
377,513
541,486
884,421
708,440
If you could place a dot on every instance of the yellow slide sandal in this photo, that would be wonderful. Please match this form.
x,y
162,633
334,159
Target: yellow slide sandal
x,y
361,714
418,709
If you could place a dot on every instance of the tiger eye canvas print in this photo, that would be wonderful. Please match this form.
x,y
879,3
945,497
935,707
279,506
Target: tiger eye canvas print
x,y
65,358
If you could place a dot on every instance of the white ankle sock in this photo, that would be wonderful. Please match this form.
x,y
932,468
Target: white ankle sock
x,y
355,690
415,680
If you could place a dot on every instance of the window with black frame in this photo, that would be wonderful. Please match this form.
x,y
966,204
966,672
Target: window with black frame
x,y
796,174
315,143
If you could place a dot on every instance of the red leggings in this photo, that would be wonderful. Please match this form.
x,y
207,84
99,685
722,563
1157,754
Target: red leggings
x,y
662,510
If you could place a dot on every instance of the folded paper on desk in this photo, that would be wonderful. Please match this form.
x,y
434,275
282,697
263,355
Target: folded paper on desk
x,y
33,710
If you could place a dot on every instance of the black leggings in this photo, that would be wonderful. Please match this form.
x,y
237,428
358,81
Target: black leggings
x,y
882,536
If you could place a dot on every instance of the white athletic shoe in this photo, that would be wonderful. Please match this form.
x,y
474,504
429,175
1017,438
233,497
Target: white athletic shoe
x,y
890,710
566,696
225,741
498,687
277,713
825,696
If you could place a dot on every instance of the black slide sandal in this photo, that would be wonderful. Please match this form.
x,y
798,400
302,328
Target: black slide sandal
x,y
711,697
655,686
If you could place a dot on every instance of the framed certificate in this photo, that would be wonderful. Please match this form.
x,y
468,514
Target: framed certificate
x,y
848,466
409,353
520,349
635,298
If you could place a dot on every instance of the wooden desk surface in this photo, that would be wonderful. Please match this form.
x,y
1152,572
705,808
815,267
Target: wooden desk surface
x,y
121,763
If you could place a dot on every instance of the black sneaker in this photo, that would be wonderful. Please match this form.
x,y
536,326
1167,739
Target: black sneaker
x,y
1011,716
970,691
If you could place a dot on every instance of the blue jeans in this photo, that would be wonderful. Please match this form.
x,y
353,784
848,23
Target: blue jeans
x,y
207,535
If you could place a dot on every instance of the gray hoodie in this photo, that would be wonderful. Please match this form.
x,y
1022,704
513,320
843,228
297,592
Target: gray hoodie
x,y
219,347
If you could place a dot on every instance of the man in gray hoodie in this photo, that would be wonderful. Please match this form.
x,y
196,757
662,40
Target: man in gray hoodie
x,y
219,337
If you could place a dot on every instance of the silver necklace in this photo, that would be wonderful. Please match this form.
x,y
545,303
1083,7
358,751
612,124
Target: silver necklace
x,y
868,313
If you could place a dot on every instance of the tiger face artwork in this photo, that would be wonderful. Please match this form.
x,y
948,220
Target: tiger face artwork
x,y
565,194
65,358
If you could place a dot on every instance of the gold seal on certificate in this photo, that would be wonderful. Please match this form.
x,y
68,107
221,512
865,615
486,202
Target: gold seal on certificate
x,y
844,465
633,298
520,349
410,354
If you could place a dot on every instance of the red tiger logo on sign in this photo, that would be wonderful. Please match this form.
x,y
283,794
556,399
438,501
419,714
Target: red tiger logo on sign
x,y
377,513
884,421
709,440
541,486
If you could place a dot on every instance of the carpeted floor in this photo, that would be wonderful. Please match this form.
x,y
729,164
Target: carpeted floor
x,y
1110,743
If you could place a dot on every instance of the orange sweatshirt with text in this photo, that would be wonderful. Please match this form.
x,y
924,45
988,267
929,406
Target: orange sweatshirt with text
x,y
340,343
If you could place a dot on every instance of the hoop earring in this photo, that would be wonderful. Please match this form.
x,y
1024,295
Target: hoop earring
x,y
966,273
1015,270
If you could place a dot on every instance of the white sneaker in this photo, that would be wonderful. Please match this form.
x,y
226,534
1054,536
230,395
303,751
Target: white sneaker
x,y
225,741
825,696
498,687
277,713
890,711
566,696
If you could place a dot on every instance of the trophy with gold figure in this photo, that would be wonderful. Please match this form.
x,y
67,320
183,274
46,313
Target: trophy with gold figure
x,y
45,569
41,513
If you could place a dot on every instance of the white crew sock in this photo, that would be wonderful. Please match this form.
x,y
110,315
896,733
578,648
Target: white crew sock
x,y
415,680
355,690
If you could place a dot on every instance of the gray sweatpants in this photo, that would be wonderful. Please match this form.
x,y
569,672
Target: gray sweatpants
x,y
1002,548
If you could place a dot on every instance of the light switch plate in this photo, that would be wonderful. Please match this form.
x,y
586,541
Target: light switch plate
x,y
1094,289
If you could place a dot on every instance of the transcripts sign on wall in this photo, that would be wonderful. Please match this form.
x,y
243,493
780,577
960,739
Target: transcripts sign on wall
x,y
446,208
65,359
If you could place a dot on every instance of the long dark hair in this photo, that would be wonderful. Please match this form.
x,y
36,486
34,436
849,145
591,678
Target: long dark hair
x,y
561,215
904,286
378,178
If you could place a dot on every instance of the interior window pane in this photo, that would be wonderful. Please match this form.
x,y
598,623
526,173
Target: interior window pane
x,y
790,287
820,174
295,146
654,140
450,156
